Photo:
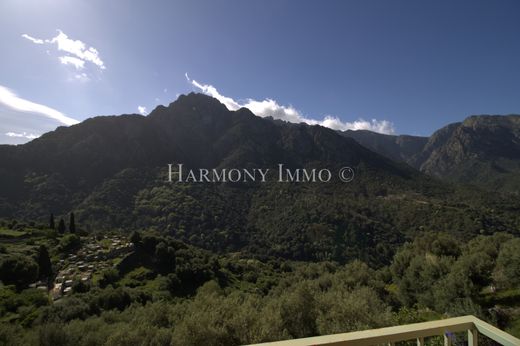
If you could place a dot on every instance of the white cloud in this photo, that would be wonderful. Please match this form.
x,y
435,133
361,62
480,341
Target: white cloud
x,y
77,48
82,77
32,39
78,51
11,100
212,91
381,126
269,107
22,135
70,60
142,110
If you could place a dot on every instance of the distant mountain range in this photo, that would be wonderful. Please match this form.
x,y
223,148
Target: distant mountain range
x,y
111,171
482,150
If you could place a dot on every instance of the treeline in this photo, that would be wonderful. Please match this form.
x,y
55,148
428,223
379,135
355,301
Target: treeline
x,y
62,228
170,293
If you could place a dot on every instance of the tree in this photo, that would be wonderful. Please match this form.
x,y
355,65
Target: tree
x,y
61,227
18,270
108,277
53,334
78,286
342,310
165,257
44,262
507,270
72,224
70,242
51,222
298,312
135,238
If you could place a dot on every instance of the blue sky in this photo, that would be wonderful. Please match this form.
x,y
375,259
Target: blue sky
x,y
413,66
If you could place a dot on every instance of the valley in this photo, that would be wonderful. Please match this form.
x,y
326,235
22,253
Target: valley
x,y
234,261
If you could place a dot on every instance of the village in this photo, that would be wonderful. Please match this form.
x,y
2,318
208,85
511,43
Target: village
x,y
94,256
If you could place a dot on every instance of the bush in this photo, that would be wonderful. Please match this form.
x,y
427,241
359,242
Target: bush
x,y
507,271
108,277
69,242
18,270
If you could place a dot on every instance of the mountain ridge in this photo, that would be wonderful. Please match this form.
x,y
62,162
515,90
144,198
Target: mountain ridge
x,y
483,150
111,171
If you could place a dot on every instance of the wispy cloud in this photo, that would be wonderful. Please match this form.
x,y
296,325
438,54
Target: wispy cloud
x,y
78,49
22,135
82,77
142,110
269,107
78,53
212,91
11,100
70,60
32,39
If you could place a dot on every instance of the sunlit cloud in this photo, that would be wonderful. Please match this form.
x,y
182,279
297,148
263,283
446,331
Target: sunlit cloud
x,y
78,53
212,91
70,60
22,135
77,48
32,39
142,110
11,100
269,107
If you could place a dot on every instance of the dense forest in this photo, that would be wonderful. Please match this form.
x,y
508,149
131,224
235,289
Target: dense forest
x,y
166,292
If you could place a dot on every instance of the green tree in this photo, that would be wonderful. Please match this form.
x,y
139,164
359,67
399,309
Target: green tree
x,y
44,262
342,310
298,312
108,277
135,238
507,270
61,227
165,256
51,222
72,224
53,335
17,269
70,242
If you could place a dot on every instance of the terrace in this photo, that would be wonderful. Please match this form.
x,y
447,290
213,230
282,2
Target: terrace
x,y
454,331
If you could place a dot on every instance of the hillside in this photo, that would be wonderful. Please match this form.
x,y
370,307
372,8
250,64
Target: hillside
x,y
111,171
398,148
482,150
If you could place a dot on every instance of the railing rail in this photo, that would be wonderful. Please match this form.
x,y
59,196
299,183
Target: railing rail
x,y
416,331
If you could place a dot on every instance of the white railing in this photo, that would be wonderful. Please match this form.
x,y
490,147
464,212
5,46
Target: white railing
x,y
409,332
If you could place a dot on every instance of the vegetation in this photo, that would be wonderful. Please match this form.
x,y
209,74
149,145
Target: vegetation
x,y
227,264
166,292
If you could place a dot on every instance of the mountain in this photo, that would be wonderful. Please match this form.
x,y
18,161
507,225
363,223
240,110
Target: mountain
x,y
482,150
112,172
398,148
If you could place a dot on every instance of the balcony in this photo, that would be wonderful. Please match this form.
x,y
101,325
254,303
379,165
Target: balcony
x,y
448,329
